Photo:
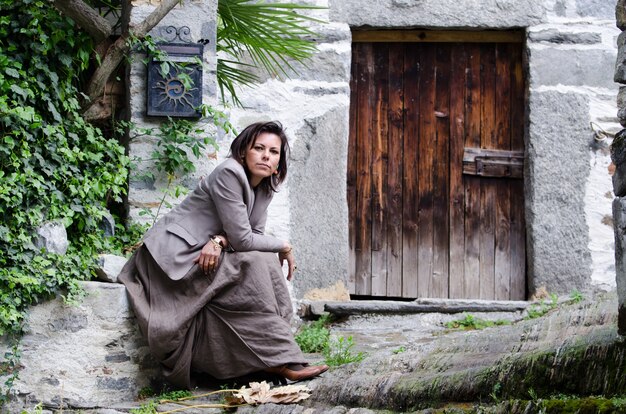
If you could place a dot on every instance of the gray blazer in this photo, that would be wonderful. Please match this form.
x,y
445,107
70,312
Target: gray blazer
x,y
222,203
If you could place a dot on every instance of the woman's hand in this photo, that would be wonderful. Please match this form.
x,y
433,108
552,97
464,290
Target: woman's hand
x,y
209,257
287,255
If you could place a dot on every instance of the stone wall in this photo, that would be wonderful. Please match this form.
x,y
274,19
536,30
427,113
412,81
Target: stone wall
x,y
570,54
618,155
570,50
314,103
311,208
199,16
83,356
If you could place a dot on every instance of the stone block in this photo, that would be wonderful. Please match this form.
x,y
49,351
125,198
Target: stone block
x,y
619,217
319,212
328,65
621,105
618,157
109,267
620,61
336,292
437,13
52,237
600,9
588,67
620,14
559,37
556,171
330,33
83,356
315,90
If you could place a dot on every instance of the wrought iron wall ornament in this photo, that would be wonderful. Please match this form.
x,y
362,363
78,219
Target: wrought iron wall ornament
x,y
171,33
175,84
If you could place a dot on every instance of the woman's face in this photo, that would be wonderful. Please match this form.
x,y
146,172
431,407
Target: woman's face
x,y
262,157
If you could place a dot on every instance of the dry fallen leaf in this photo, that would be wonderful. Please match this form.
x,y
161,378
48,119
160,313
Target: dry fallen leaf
x,y
261,393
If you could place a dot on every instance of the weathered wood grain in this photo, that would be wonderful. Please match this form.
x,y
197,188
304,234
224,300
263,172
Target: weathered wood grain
x,y
487,186
458,79
365,105
437,153
412,76
441,175
379,169
352,167
472,184
426,147
395,170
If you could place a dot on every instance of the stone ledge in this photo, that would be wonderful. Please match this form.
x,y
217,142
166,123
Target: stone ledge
x,y
318,308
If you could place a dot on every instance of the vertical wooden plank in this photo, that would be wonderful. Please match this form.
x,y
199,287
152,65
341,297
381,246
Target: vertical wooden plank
x,y
426,148
457,193
412,73
471,274
379,169
488,186
363,285
352,172
395,170
518,241
502,259
441,166
518,224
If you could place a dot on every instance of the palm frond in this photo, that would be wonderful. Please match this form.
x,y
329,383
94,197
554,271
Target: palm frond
x,y
272,34
229,76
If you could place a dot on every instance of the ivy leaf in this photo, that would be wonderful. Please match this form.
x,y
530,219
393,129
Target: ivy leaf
x,y
55,114
12,72
20,91
25,113
165,69
65,59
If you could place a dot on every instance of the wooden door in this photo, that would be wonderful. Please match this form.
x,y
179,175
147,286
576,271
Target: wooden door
x,y
436,151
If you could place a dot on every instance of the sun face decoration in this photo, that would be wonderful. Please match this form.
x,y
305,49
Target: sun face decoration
x,y
174,85
173,91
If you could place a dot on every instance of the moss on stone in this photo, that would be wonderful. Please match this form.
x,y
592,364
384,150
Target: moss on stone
x,y
588,405
578,369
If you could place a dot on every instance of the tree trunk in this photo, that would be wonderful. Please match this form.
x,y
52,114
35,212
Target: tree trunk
x,y
116,53
87,18
99,29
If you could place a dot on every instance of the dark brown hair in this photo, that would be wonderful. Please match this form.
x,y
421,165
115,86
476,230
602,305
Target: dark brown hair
x,y
246,139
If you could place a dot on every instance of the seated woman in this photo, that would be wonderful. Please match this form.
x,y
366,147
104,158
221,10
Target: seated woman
x,y
207,286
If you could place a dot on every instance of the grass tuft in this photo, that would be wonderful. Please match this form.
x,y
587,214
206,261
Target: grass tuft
x,y
470,322
315,338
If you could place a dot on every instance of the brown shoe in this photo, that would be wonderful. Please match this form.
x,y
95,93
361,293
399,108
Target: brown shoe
x,y
297,372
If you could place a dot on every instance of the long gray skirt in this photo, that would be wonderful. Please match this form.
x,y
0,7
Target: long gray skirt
x,y
229,323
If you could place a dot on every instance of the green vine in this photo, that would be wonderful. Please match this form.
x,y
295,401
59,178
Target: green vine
x,y
175,141
55,166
